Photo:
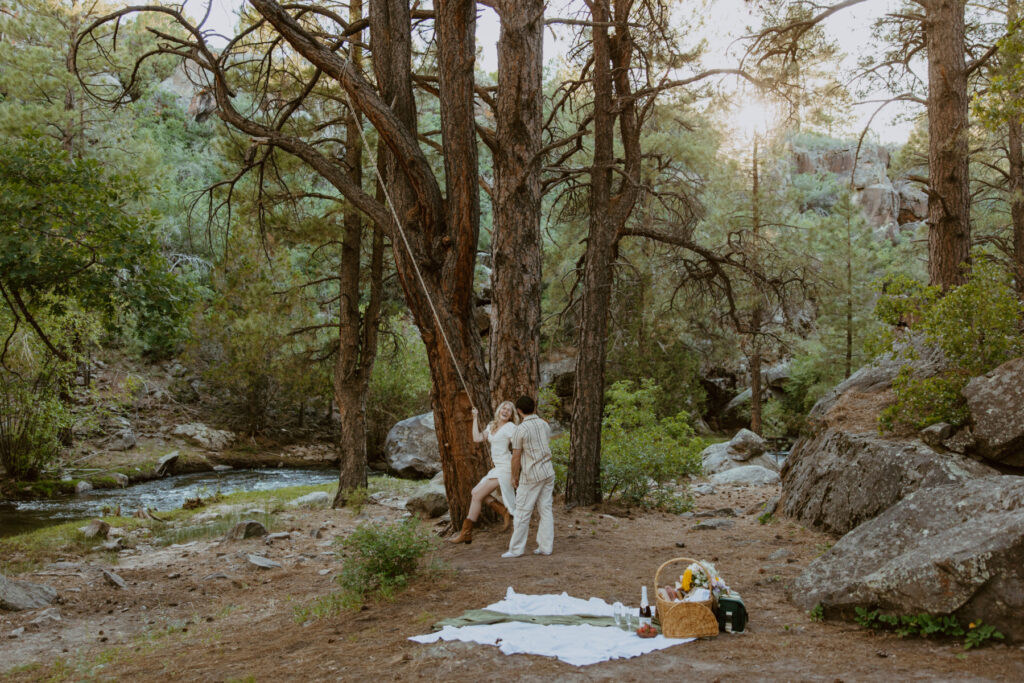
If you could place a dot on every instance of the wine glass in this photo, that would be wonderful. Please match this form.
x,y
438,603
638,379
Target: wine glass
x,y
618,612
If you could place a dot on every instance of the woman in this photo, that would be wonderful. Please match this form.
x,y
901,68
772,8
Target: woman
x,y
499,434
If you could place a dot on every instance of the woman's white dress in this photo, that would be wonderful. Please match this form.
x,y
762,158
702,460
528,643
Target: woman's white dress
x,y
501,456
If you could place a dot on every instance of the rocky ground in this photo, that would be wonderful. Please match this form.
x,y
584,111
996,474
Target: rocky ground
x,y
201,610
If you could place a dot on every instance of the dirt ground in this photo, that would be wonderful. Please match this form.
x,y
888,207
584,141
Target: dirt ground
x,y
200,612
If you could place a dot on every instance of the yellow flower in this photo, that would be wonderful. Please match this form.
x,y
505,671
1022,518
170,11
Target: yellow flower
x,y
970,625
687,580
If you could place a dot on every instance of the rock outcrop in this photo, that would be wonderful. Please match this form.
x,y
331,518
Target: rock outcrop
x,y
996,403
411,449
956,549
838,479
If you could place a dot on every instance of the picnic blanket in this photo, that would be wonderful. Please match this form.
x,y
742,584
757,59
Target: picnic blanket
x,y
576,631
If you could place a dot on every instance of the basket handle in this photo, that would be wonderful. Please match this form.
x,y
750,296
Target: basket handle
x,y
688,560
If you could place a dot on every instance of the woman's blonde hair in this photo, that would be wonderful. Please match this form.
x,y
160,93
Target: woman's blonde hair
x,y
514,419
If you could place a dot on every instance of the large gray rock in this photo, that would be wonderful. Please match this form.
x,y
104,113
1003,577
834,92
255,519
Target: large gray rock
x,y
123,440
837,480
21,595
746,445
205,437
996,402
956,549
411,448
746,475
248,528
746,448
429,502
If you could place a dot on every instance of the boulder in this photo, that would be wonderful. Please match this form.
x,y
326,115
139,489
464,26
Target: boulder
x,y
839,479
950,550
95,528
314,499
745,445
996,403
121,479
249,528
746,475
21,595
746,448
205,437
83,487
429,502
411,449
165,465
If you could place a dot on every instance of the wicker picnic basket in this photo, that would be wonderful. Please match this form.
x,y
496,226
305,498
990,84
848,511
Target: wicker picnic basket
x,y
686,619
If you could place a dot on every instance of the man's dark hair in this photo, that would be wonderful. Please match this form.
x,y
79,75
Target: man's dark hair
x,y
526,405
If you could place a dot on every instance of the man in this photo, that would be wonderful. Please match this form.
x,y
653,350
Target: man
x,y
534,478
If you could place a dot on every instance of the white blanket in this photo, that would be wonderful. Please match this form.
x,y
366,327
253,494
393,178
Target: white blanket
x,y
577,645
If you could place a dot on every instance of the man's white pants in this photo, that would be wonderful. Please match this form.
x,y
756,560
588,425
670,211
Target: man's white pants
x,y
529,495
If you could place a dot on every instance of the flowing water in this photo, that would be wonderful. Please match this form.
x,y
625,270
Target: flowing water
x,y
160,494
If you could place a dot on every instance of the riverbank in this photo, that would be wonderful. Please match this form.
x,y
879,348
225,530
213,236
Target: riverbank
x,y
199,608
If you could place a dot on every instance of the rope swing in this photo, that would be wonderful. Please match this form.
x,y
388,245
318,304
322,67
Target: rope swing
x,y
408,249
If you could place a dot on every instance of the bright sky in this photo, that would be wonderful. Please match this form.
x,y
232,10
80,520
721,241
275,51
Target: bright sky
x,y
723,22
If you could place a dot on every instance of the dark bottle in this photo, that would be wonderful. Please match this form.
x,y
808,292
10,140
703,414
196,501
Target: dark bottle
x,y
645,608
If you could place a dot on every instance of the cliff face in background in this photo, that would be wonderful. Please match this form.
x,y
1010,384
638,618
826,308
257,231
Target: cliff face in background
x,y
893,207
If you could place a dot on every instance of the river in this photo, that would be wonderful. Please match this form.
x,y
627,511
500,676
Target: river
x,y
160,494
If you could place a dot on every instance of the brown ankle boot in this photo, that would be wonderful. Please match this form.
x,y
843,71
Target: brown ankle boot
x,y
466,535
501,510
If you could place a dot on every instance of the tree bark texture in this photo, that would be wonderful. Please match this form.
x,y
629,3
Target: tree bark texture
x,y
514,343
949,230
609,211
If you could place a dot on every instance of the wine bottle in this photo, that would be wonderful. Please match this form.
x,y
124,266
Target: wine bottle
x,y
645,608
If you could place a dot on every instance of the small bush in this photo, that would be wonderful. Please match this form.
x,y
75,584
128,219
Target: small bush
x,y
381,559
925,625
641,456
975,325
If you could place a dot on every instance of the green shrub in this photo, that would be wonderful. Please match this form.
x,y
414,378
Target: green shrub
x,y
975,325
31,419
925,625
381,559
641,456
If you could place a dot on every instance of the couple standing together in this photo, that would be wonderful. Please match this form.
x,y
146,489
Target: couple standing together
x,y
521,453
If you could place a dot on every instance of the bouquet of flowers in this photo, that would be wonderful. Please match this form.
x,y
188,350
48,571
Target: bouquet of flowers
x,y
694,577
694,585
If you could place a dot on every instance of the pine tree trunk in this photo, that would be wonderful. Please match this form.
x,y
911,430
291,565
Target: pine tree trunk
x,y
442,235
583,484
1016,159
949,233
356,333
516,247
